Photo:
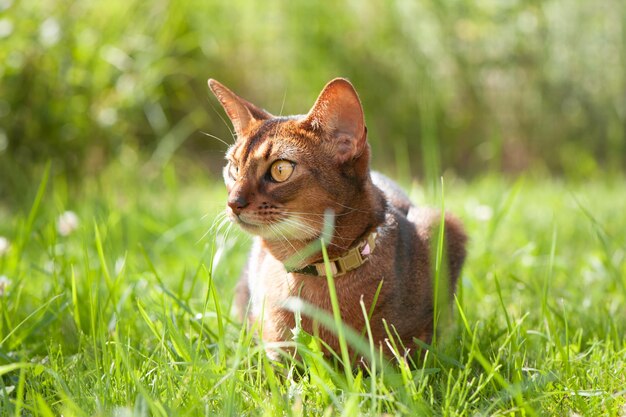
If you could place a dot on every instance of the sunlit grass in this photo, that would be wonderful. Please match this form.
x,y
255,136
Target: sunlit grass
x,y
116,281
128,312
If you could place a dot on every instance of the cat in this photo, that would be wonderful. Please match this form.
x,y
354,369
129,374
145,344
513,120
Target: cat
x,y
282,175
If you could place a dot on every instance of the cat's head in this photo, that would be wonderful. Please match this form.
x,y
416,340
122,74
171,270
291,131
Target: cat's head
x,y
283,173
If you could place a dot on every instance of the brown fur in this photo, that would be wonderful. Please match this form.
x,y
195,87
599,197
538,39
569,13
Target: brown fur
x,y
331,155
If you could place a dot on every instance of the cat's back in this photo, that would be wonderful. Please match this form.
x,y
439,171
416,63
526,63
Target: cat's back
x,y
424,221
394,195
414,228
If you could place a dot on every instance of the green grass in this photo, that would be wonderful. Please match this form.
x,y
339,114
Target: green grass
x,y
129,314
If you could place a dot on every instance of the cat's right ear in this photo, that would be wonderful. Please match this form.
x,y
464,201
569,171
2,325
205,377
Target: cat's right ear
x,y
241,112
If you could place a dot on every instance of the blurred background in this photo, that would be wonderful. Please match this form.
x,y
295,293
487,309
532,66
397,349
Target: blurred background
x,y
460,87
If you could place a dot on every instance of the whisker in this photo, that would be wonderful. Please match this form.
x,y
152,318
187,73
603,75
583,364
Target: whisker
x,y
218,218
320,221
321,215
221,216
282,106
308,230
229,227
216,210
223,121
281,237
351,208
304,228
218,223
217,138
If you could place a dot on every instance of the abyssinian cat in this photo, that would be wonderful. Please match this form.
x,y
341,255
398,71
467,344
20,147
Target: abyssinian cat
x,y
282,175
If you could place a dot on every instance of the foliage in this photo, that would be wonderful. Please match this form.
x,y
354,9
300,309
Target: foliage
x,y
446,85
126,312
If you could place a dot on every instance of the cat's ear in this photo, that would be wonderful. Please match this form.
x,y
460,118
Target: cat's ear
x,y
338,113
240,111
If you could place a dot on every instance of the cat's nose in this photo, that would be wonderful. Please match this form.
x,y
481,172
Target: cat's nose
x,y
237,204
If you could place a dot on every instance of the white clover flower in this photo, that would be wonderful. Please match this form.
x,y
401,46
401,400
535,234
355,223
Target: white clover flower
x,y
67,223
4,284
478,210
483,212
5,245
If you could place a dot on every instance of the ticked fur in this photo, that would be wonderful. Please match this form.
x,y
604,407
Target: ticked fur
x,y
329,153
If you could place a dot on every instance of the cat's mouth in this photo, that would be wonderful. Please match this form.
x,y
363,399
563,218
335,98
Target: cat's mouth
x,y
247,223
253,224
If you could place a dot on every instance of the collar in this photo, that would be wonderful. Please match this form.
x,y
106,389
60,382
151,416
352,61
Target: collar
x,y
351,260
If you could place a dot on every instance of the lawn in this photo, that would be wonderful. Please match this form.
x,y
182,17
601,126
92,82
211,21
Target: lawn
x,y
117,266
124,309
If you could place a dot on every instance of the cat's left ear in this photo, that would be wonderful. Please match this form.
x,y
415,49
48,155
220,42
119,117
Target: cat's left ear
x,y
337,112
241,112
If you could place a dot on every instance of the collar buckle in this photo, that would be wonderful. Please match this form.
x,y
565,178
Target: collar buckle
x,y
353,259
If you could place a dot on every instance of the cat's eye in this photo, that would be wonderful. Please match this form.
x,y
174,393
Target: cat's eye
x,y
281,170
